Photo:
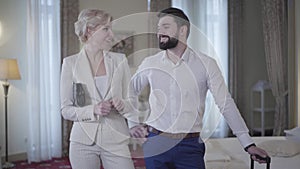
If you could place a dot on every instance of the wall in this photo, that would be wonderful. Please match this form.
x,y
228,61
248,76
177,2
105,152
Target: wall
x,y
253,56
116,8
13,45
291,63
293,56
297,51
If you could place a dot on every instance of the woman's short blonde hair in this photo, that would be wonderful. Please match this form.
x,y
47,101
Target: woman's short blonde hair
x,y
90,18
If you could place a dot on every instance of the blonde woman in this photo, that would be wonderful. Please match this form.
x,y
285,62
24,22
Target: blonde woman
x,y
93,84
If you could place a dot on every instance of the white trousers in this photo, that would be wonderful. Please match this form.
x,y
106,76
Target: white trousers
x,y
91,156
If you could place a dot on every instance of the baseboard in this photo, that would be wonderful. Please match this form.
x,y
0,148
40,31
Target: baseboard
x,y
16,157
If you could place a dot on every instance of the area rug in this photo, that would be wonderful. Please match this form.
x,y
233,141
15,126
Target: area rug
x,y
63,163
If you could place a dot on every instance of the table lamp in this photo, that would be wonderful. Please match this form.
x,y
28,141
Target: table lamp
x,y
8,71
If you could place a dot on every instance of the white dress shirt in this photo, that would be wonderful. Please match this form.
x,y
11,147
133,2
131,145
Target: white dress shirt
x,y
178,92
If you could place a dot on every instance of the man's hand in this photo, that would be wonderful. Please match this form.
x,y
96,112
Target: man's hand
x,y
139,132
253,150
117,103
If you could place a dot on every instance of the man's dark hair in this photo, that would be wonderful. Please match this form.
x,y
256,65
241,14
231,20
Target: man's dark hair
x,y
179,17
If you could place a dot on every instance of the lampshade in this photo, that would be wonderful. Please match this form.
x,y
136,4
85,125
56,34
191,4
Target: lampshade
x,y
9,69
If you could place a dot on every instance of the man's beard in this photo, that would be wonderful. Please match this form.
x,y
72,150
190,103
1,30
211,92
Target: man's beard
x,y
169,44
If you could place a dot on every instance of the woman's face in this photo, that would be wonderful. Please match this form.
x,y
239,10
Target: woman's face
x,y
102,36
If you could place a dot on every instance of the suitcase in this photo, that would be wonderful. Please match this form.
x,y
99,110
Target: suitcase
x,y
267,159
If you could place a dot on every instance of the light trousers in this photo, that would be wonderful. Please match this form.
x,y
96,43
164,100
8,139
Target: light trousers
x,y
92,156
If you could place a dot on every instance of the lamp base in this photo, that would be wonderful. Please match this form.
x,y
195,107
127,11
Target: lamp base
x,y
8,165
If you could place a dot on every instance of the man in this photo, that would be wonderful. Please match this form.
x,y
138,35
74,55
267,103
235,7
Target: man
x,y
179,79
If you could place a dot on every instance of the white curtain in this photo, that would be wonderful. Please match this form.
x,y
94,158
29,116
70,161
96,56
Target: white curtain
x,y
209,35
43,56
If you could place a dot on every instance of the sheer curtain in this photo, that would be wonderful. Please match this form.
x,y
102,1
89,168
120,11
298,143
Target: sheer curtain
x,y
209,35
274,17
43,52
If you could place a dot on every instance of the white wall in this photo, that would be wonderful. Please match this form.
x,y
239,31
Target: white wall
x,y
116,8
297,52
13,45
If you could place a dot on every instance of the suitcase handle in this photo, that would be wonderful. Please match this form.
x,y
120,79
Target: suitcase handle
x,y
266,159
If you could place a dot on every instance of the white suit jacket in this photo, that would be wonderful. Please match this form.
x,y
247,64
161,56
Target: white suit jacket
x,y
86,126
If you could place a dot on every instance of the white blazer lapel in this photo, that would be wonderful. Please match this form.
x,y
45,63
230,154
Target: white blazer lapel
x,y
83,74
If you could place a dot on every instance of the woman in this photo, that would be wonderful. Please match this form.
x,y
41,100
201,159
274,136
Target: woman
x,y
93,84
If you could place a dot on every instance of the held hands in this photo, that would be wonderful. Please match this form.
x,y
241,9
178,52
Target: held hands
x,y
117,103
139,133
253,151
103,108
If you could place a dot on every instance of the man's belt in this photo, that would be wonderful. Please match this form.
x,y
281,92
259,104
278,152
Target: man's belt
x,y
173,135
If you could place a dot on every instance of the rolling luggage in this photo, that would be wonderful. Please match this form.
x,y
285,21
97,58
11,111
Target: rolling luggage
x,y
267,159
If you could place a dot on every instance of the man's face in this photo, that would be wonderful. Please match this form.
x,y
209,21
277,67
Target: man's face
x,y
167,33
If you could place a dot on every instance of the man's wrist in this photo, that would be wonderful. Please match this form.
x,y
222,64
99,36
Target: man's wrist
x,y
246,148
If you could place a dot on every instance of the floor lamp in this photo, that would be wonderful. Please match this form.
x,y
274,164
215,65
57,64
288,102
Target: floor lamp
x,y
8,71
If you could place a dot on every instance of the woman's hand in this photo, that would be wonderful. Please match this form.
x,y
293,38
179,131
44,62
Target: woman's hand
x,y
103,108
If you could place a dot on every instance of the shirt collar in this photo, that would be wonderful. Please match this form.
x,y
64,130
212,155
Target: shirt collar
x,y
164,55
185,55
